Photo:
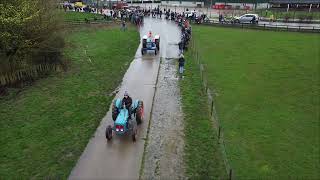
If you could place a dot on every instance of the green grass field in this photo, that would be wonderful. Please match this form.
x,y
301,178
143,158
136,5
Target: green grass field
x,y
268,91
202,153
80,16
45,128
291,14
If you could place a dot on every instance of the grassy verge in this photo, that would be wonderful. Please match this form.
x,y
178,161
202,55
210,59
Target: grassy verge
x,y
80,16
301,15
267,86
44,128
202,153
277,14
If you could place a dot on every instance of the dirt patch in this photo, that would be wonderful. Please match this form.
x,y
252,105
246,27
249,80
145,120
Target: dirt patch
x,y
164,152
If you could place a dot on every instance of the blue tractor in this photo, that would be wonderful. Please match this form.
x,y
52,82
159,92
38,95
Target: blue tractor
x,y
123,125
150,44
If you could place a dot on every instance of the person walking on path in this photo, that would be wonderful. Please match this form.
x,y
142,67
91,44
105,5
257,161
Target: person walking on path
x,y
181,63
181,46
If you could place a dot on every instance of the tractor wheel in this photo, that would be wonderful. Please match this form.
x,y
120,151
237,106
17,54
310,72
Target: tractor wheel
x,y
139,112
114,112
109,133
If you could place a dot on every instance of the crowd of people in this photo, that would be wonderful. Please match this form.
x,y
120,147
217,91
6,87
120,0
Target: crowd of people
x,y
136,16
183,21
184,42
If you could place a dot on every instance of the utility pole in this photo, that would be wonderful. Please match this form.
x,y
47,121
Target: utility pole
x,y
255,5
210,7
310,7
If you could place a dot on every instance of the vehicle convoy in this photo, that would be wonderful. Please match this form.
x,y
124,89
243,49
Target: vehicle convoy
x,y
150,43
247,18
123,123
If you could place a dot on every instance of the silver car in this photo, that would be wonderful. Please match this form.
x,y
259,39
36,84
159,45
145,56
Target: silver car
x,y
247,18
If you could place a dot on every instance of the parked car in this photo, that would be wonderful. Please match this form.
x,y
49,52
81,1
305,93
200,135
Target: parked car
x,y
247,18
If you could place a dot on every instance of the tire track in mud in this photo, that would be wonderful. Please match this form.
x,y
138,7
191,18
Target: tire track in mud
x,y
163,158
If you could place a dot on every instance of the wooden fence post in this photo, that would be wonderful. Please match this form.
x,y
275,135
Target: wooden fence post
x,y
202,75
198,60
207,86
212,107
230,174
219,133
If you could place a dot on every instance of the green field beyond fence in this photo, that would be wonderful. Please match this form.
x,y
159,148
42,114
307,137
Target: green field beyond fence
x,y
292,14
266,91
81,16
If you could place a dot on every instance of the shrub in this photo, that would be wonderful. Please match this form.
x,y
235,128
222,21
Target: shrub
x,y
30,36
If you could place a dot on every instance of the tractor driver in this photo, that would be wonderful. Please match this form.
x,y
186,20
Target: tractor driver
x,y
150,35
150,38
127,102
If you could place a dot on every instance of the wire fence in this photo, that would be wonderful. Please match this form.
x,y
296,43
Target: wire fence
x,y
27,73
295,15
268,26
82,22
211,105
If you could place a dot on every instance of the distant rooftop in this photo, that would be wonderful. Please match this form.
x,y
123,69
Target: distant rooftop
x,y
295,1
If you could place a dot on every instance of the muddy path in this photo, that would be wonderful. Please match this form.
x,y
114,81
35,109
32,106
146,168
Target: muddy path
x,y
164,151
121,158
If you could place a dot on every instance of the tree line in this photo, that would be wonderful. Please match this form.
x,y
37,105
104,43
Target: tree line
x,y
31,40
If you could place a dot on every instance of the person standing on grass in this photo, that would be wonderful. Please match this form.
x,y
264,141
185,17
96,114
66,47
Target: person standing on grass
x,y
123,26
181,63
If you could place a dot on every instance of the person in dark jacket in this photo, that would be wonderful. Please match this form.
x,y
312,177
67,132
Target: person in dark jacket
x,y
127,102
181,46
123,26
253,21
181,63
